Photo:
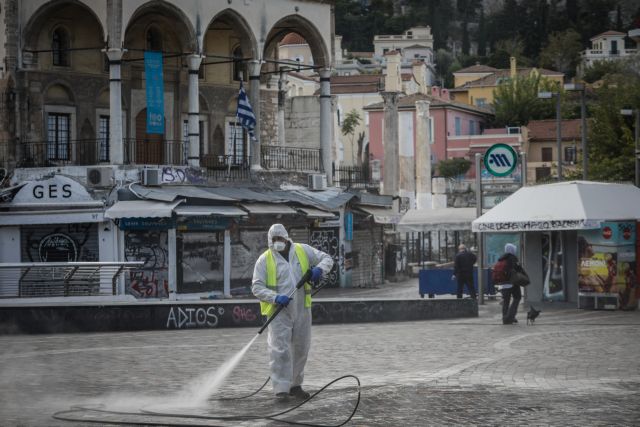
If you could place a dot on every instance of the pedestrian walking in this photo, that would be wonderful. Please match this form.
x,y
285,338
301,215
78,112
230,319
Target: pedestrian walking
x,y
511,293
275,275
463,270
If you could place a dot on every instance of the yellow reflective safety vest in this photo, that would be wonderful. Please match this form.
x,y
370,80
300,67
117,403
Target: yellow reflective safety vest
x,y
267,308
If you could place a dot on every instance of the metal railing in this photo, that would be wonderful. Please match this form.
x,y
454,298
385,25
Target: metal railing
x,y
353,177
78,152
290,158
87,152
226,167
56,279
155,151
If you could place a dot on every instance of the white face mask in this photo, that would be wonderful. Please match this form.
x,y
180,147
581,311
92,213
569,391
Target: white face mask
x,y
279,246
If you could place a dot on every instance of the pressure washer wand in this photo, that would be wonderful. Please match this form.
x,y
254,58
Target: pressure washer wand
x,y
305,278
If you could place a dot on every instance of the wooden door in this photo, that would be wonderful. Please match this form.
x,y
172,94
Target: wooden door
x,y
149,147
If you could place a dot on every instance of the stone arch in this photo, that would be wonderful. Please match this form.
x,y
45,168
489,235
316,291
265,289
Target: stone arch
x,y
307,30
103,100
241,37
58,92
166,15
38,29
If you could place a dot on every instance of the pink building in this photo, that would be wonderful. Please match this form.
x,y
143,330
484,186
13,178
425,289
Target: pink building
x,y
455,127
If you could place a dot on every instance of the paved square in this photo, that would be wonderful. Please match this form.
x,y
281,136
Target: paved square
x,y
573,367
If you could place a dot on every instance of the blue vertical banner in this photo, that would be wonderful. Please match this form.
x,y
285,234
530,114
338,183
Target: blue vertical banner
x,y
155,92
348,226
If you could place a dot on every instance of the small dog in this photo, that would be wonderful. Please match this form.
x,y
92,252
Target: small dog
x,y
531,315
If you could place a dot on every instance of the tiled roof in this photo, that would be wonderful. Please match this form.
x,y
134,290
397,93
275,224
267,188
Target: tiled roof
x,y
545,130
492,79
293,38
408,102
608,33
361,54
362,83
477,68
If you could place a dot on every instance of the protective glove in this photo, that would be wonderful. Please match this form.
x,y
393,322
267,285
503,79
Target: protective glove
x,y
283,300
316,274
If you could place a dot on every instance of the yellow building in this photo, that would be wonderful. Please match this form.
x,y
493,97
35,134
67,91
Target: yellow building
x,y
475,85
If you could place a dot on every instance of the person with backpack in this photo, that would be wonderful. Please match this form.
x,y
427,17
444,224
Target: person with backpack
x,y
463,270
502,274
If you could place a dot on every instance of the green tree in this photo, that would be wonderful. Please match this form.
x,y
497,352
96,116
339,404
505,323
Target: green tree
x,y
562,52
349,124
453,168
516,100
600,69
611,135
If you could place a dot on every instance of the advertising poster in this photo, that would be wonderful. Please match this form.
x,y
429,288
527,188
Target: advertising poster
x,y
553,286
155,92
608,261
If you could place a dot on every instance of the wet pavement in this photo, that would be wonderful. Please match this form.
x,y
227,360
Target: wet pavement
x,y
573,367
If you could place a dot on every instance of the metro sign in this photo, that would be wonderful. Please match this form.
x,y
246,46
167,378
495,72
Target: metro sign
x,y
500,160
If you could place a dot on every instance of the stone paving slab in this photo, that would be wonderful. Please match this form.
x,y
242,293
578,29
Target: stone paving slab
x,y
574,367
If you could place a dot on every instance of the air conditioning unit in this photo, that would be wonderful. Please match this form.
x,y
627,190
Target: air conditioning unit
x,y
317,182
100,177
152,176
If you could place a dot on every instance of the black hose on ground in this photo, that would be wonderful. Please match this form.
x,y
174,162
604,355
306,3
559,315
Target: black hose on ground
x,y
66,415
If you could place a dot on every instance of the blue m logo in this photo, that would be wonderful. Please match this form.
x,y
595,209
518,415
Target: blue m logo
x,y
500,160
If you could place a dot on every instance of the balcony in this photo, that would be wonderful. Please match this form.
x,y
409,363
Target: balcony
x,y
354,177
290,159
87,152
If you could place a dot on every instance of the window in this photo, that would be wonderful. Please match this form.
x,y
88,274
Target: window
x,y
59,47
458,126
570,154
103,139
614,47
480,102
238,65
154,39
58,132
236,143
432,138
472,127
547,154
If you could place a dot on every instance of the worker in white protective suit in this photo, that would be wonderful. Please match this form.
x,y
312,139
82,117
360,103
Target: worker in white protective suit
x,y
275,276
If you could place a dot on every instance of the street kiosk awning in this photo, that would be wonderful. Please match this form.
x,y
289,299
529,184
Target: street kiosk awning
x,y
268,209
381,215
571,205
442,219
316,213
141,209
209,211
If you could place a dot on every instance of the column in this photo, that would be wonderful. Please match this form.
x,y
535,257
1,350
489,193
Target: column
x,y
226,269
391,172
173,263
116,146
325,123
193,156
254,97
423,155
282,94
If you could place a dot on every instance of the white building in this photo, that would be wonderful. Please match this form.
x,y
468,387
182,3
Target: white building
x,y
609,46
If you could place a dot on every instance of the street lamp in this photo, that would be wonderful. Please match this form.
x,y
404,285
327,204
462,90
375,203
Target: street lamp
x,y
579,87
549,95
630,112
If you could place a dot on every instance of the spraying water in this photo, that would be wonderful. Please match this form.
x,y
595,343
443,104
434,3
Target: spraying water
x,y
199,391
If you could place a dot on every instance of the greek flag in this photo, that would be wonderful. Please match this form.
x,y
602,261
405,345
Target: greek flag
x,y
244,112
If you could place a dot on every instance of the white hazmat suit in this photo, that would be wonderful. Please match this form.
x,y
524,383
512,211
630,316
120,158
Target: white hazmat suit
x,y
289,334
